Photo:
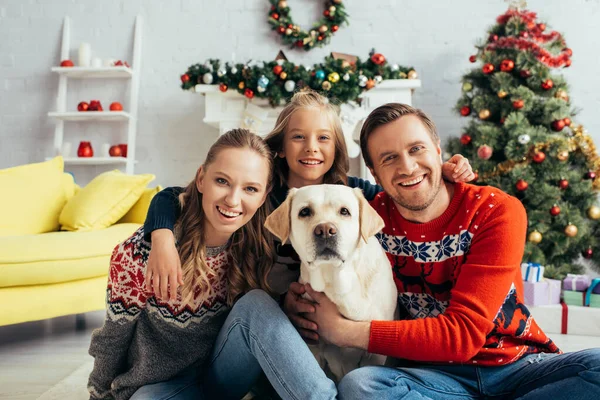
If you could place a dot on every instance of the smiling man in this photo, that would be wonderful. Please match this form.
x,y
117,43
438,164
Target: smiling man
x,y
455,251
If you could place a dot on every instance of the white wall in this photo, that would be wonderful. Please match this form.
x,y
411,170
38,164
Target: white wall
x,y
436,37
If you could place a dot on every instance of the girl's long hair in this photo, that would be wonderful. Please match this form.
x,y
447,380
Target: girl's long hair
x,y
251,248
338,173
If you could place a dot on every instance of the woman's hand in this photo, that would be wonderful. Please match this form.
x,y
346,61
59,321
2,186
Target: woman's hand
x,y
163,273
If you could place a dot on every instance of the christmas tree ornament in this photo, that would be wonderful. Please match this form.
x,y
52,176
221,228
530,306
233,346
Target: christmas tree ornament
x,y
539,157
249,93
326,85
378,58
362,81
223,87
275,15
484,114
558,125
484,152
289,86
524,139
541,27
467,87
562,155
465,139
333,77
346,77
412,74
323,28
507,65
241,85
493,37
518,104
207,78
288,32
221,72
502,94
587,253
473,58
261,89
277,69
465,111
262,82
370,84
501,121
590,175
281,29
395,67
185,78
488,68
524,34
525,73
563,184
567,63
547,84
234,70
555,210
320,74
571,230
521,185
594,212
378,79
283,75
561,94
335,28
282,4
535,237
332,10
567,121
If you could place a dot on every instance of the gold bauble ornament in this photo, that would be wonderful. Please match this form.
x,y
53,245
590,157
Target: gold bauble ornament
x,y
288,31
241,85
561,94
484,114
535,237
412,74
283,75
593,212
333,77
323,28
332,10
326,85
282,4
571,230
467,87
502,94
563,156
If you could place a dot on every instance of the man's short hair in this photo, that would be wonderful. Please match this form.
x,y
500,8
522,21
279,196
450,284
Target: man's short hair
x,y
384,115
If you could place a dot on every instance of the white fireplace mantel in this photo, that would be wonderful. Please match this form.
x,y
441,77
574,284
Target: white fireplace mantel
x,y
228,110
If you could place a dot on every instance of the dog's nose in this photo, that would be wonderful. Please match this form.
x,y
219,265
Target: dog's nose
x,y
325,230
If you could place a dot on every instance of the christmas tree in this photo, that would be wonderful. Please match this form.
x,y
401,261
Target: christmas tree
x,y
521,138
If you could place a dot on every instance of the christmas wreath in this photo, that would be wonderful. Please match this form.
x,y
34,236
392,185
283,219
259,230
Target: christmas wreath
x,y
334,15
337,78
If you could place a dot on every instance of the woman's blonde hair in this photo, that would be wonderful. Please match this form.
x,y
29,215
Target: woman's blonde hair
x,y
338,173
251,246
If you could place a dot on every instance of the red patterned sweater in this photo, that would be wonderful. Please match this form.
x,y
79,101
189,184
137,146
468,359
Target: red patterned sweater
x,y
145,340
459,283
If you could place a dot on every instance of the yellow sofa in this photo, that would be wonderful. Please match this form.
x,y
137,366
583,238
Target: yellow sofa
x,y
55,273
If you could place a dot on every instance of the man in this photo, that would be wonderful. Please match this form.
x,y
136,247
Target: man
x,y
455,251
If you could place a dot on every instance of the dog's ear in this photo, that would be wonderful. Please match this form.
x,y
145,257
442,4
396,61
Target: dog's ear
x,y
279,221
370,221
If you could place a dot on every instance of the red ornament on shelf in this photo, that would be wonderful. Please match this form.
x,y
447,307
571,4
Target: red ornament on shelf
x,y
488,68
95,105
185,78
123,147
558,125
507,65
465,111
378,58
555,210
83,106
567,121
547,84
590,175
249,93
223,87
115,106
115,151
67,63
85,150
539,157
473,58
465,139
518,104
521,185
563,184
484,152
587,253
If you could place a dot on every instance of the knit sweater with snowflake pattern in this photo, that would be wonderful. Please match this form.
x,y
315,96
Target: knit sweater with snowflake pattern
x,y
459,283
145,340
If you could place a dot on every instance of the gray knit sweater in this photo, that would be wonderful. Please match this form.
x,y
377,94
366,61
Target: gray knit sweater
x,y
145,340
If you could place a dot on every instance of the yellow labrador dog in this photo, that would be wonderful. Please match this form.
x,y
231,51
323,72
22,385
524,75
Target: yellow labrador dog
x,y
332,229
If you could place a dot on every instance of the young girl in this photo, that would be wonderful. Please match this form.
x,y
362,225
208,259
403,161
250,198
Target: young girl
x,y
149,348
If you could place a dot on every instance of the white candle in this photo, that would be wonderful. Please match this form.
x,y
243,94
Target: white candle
x,y
96,62
85,54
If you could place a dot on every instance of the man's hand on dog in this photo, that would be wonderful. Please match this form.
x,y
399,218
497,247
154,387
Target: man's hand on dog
x,y
297,308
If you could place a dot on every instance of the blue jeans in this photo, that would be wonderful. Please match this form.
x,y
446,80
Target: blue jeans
x,y
182,387
573,376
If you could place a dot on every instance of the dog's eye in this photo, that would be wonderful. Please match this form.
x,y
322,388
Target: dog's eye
x,y
344,211
305,212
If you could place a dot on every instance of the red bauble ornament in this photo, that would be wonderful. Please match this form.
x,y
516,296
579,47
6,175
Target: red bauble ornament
x,y
115,151
249,93
558,125
555,210
563,184
85,150
488,68
502,121
281,29
465,110
185,78
587,253
319,38
507,65
334,28
547,84
465,139
567,121
223,87
524,34
473,58
539,157
518,104
525,73
542,27
590,175
67,63
568,63
83,106
521,185
326,13
378,58
299,43
277,69
568,51
275,16
493,38
123,147
115,106
484,152
95,105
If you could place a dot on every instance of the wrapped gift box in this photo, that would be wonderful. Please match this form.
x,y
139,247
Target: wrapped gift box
x,y
532,272
573,298
578,283
542,293
594,300
579,320
592,296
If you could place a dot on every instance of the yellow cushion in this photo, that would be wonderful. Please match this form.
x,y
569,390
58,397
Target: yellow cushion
x,y
103,201
59,256
68,184
137,213
32,198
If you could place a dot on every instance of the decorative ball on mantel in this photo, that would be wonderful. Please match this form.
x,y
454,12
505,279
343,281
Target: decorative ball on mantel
x,y
378,58
289,86
326,85
207,78
333,77
535,237
185,78
249,93
223,87
277,69
571,230
412,74
362,81
283,75
370,84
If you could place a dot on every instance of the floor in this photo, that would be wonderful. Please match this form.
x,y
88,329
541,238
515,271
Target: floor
x,y
36,356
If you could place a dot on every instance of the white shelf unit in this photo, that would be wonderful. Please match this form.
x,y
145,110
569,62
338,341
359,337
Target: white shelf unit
x,y
62,115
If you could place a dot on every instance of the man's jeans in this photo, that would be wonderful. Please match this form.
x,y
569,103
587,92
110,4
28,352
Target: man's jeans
x,y
572,376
